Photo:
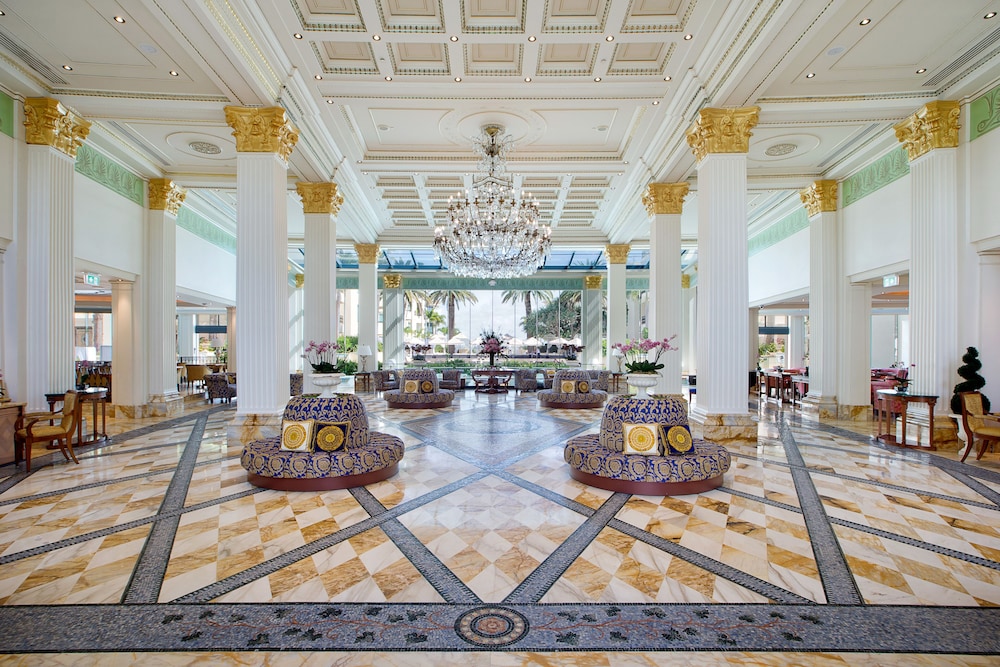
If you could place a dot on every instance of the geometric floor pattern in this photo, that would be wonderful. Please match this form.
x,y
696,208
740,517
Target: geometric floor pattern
x,y
822,546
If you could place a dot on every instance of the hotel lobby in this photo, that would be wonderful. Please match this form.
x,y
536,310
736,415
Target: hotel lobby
x,y
273,173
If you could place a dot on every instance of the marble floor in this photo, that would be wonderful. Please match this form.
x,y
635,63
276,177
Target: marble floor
x,y
822,547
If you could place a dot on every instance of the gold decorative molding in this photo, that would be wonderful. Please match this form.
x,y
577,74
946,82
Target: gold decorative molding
x,y
722,131
934,125
592,282
665,198
320,197
685,280
262,130
618,253
164,195
367,252
49,123
819,197
392,281
300,280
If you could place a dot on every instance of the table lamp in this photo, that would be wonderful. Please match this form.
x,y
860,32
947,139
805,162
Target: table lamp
x,y
618,355
364,351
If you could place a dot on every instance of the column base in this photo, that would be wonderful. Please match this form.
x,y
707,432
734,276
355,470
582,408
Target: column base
x,y
854,413
820,408
127,411
726,429
247,426
165,405
945,430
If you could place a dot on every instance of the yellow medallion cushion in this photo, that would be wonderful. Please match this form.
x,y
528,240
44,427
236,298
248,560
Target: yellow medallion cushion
x,y
640,439
550,372
426,387
411,387
332,436
296,436
568,386
676,439
582,387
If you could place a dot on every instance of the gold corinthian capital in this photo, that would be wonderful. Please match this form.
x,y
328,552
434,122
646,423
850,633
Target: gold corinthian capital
x,y
367,252
592,282
819,197
49,123
665,198
392,281
320,197
262,130
618,253
934,125
722,131
164,195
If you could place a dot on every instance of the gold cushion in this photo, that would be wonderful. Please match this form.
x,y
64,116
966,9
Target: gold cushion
x,y
411,387
583,387
640,439
426,387
567,386
296,436
333,436
676,439
550,372
42,431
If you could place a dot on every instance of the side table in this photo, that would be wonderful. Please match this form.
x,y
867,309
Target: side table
x,y
94,395
363,381
884,397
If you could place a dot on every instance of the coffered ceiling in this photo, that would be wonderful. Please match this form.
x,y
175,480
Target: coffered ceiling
x,y
597,94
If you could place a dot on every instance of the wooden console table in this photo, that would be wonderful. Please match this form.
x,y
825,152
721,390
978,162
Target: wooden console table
x,y
884,397
492,380
9,413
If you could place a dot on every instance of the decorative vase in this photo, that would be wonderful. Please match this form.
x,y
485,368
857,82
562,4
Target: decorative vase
x,y
642,382
493,359
327,381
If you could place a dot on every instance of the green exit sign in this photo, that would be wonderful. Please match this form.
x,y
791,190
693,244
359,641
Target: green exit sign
x,y
92,279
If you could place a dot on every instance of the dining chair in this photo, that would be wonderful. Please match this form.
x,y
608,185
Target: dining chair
x,y
978,424
35,427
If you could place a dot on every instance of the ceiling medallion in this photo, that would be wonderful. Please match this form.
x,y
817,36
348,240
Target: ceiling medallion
x,y
489,233
204,147
778,150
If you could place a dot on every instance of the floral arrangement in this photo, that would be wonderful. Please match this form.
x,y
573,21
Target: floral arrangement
x,y
322,356
637,354
492,345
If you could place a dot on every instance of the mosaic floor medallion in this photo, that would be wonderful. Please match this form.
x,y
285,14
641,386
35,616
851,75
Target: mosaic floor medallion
x,y
491,626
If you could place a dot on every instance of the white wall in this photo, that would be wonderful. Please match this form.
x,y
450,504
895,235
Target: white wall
x,y
8,166
984,158
205,268
108,228
780,269
877,229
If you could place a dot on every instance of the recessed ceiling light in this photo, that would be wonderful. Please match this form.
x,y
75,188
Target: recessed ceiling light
x,y
458,79
688,37
527,79
655,102
173,72
990,15
376,37
532,38
297,35
119,19
67,68
667,78
318,77
597,79
329,102
454,38
921,70
388,78
621,173
3,13
609,38
810,75
864,21
624,161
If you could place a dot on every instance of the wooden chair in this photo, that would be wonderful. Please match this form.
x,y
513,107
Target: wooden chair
x,y
34,427
196,373
978,424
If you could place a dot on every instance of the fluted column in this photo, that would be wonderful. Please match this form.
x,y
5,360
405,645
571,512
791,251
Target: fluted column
x,y
53,135
720,139
590,322
753,339
690,337
795,348
231,348
664,203
931,139
186,341
165,200
617,258
633,316
127,354
392,323
368,297
321,203
264,140
854,378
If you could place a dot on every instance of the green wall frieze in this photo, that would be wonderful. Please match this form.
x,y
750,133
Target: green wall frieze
x,y
348,282
202,228
7,114
984,114
793,223
875,176
110,174
416,282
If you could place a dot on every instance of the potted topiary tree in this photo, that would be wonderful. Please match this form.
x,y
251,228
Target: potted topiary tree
x,y
973,381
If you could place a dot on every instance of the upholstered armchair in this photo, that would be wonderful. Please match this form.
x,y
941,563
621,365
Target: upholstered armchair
x,y
295,384
34,427
196,373
451,378
219,387
979,425
572,389
600,379
526,379
385,380
418,388
547,376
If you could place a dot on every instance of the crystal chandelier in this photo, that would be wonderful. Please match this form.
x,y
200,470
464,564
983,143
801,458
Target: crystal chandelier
x,y
489,233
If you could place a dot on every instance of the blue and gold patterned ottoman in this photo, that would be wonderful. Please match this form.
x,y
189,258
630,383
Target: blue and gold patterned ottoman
x,y
364,456
418,389
572,389
600,460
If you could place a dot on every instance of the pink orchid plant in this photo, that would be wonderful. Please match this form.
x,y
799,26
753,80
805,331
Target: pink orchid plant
x,y
322,356
643,356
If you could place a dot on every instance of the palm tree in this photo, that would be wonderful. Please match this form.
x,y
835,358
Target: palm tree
x,y
540,297
452,298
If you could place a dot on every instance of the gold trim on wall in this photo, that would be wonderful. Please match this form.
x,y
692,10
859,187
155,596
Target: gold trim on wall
x,y
618,253
320,197
49,123
392,281
300,280
592,282
819,197
164,195
367,252
934,125
262,130
722,131
685,281
665,198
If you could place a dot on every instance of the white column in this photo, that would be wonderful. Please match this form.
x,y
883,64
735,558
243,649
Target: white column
x,y
617,258
795,348
186,345
368,297
165,200
753,339
590,322
720,140
128,377
690,337
296,324
854,379
231,340
263,142
392,325
633,326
